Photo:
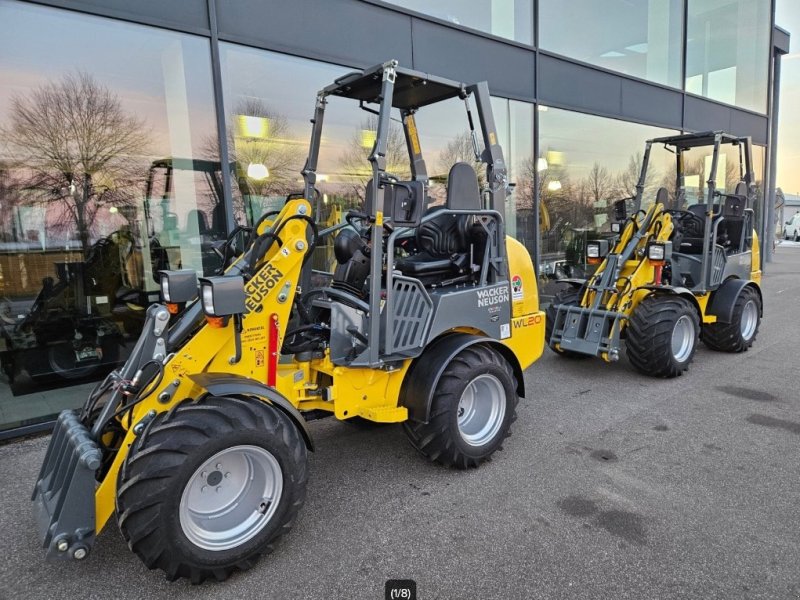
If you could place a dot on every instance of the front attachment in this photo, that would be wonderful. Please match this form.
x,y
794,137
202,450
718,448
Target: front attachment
x,y
587,331
64,494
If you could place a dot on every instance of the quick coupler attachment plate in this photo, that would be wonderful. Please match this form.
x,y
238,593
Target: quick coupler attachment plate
x,y
587,331
63,498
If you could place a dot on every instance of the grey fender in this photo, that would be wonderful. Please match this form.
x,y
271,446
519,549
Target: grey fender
x,y
575,283
722,300
226,384
416,393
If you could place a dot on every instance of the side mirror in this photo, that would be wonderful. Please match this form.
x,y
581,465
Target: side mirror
x,y
404,204
620,210
734,206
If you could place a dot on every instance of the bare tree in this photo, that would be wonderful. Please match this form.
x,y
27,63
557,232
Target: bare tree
x,y
354,163
77,148
628,178
279,151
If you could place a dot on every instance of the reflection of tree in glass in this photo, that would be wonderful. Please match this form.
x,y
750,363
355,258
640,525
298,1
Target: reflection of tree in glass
x,y
75,147
354,164
628,178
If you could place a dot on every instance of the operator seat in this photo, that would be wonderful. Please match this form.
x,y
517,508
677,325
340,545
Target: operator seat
x,y
729,232
444,241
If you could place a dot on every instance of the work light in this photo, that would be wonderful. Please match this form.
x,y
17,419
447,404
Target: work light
x,y
178,287
222,296
659,251
593,250
616,227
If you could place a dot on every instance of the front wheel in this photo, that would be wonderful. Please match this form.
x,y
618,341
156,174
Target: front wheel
x,y
210,486
740,333
662,335
473,406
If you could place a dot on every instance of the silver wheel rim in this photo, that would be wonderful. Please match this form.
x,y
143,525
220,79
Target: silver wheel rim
x,y
231,497
682,338
481,410
749,320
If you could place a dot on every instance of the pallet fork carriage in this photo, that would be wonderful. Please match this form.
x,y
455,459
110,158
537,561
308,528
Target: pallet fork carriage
x,y
672,276
198,444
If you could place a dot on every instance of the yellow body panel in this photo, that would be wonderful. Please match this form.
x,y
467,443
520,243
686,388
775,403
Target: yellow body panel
x,y
527,321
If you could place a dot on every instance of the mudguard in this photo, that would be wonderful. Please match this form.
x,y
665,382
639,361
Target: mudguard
x,y
416,393
226,384
722,300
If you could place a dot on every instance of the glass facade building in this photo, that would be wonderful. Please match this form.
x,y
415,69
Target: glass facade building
x,y
135,136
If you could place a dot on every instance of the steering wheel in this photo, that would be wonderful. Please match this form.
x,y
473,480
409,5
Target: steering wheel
x,y
689,223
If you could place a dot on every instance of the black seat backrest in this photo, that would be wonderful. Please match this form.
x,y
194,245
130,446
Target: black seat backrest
x,y
662,196
448,234
463,192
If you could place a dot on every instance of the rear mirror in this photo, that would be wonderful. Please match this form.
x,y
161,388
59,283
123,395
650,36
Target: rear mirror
x,y
403,202
620,210
734,206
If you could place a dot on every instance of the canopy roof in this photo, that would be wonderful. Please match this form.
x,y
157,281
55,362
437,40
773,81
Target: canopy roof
x,y
412,89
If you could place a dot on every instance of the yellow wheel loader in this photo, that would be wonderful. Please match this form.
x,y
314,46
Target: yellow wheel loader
x,y
198,444
673,274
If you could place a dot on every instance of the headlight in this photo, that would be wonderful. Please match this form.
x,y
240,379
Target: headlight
x,y
165,288
655,252
592,250
659,251
222,296
208,299
178,287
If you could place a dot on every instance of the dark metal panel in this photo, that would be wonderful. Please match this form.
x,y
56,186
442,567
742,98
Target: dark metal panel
x,y
703,115
781,39
445,51
348,32
747,123
564,83
186,15
643,102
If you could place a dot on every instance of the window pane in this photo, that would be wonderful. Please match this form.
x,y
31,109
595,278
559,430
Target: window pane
x,y
511,19
642,38
104,179
580,179
727,55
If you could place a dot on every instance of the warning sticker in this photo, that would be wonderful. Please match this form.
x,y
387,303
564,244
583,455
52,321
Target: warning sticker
x,y
259,358
505,331
516,288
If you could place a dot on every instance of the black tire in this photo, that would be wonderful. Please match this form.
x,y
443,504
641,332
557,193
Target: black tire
x,y
730,337
797,235
570,297
441,438
649,340
166,457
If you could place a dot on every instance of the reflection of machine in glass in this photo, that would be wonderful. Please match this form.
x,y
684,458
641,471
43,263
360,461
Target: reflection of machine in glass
x,y
192,243
76,322
671,273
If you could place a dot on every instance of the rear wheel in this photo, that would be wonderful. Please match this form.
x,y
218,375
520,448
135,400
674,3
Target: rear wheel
x,y
474,404
568,297
740,333
662,336
210,486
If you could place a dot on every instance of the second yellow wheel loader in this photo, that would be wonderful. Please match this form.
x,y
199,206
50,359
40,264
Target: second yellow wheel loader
x,y
674,274
198,445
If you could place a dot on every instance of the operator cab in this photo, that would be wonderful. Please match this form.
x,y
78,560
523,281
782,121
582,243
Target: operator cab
x,y
399,257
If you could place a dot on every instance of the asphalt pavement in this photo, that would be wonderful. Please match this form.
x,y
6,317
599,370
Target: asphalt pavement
x,y
613,485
